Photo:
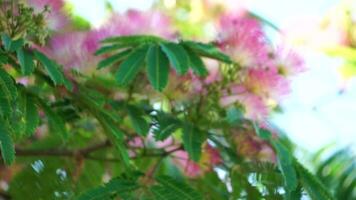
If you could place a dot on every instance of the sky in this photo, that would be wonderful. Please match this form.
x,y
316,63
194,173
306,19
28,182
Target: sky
x,y
315,113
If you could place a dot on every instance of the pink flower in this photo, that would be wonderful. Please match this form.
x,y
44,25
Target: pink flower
x,y
257,89
67,50
266,83
243,39
210,158
254,106
253,147
131,23
92,40
190,168
133,143
214,71
138,22
213,76
55,5
136,142
288,62
56,19
213,155
23,80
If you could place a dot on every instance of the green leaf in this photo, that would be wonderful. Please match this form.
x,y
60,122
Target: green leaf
x,y
124,155
177,56
8,93
30,114
233,115
165,126
170,189
51,67
3,58
6,145
193,139
8,82
138,122
294,195
315,189
11,45
286,165
6,41
157,68
207,50
109,125
109,48
55,121
197,64
129,68
240,183
26,61
5,104
264,134
113,59
16,45
132,40
341,168
67,84
113,188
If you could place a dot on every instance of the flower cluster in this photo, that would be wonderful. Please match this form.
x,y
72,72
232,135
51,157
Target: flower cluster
x,y
264,71
256,82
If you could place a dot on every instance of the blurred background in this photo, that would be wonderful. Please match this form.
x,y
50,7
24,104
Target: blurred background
x,y
321,110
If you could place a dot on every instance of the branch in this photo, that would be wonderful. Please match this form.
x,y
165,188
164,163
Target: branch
x,y
85,152
63,152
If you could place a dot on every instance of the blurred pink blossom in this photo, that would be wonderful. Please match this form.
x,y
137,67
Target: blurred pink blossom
x,y
133,22
76,49
213,76
288,61
257,88
190,168
67,49
243,39
267,83
210,158
255,107
56,19
252,147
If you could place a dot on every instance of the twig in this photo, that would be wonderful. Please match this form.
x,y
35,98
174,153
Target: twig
x,y
63,152
85,153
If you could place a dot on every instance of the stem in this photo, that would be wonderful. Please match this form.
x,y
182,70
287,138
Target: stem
x,y
63,152
85,153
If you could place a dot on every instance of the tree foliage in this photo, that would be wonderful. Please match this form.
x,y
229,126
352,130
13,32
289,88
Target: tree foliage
x,y
134,142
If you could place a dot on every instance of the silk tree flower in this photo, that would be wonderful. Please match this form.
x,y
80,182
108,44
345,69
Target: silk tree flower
x,y
76,49
255,108
288,62
56,18
67,49
137,22
133,22
256,91
266,83
252,147
214,76
210,158
242,38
